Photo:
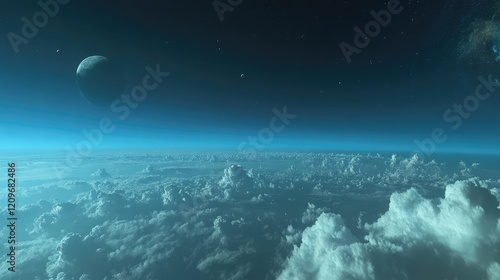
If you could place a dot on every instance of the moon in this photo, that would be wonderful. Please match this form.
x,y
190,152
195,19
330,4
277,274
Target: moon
x,y
99,80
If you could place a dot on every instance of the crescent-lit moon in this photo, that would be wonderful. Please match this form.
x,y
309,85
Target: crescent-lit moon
x,y
99,80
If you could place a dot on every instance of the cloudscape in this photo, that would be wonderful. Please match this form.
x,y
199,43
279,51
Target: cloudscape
x,y
233,139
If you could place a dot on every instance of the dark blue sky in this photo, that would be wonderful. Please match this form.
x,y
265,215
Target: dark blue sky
x,y
394,91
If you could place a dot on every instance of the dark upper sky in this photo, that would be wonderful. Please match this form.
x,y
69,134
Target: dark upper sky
x,y
227,76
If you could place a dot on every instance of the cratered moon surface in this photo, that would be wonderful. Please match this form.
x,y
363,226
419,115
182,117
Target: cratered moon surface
x,y
99,80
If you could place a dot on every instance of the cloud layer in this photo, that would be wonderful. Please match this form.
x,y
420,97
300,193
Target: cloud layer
x,y
286,215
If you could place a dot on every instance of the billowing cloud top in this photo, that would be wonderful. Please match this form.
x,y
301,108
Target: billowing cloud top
x,y
455,237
